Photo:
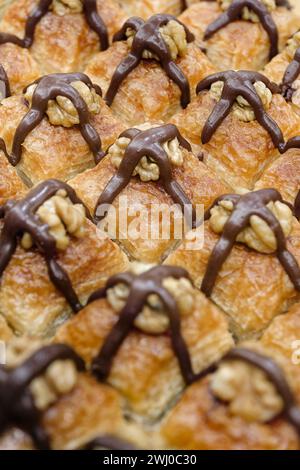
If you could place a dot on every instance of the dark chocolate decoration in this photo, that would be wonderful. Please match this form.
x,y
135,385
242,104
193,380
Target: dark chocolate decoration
x,y
234,12
297,206
4,84
108,442
140,287
148,143
19,217
48,88
92,17
235,84
275,374
254,203
148,37
291,74
17,407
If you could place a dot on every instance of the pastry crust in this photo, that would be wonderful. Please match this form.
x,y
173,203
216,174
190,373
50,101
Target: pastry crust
x,y
283,175
238,151
147,94
241,44
145,369
11,186
61,43
198,182
199,421
252,288
20,66
54,151
28,299
146,8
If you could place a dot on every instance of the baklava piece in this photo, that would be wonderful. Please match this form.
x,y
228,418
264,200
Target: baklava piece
x,y
241,34
43,237
19,66
148,333
49,402
241,122
248,264
156,186
59,127
248,403
151,70
61,35
11,185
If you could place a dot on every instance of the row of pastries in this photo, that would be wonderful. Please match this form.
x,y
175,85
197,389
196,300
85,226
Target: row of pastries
x,y
116,340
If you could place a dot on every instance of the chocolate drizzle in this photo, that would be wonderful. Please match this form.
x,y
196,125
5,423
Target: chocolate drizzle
x,y
291,74
291,411
234,12
4,84
17,405
108,442
148,37
140,287
19,217
148,143
254,203
92,17
48,88
239,84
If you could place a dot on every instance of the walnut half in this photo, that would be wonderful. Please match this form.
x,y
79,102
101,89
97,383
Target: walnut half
x,y
247,13
65,7
147,169
61,111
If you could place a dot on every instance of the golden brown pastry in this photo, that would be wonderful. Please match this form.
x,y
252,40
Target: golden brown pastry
x,y
11,186
69,133
146,195
146,8
238,139
65,408
246,404
42,238
251,283
151,89
283,175
62,40
19,65
148,346
243,43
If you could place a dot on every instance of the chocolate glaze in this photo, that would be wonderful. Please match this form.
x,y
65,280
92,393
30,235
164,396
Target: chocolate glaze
x,y
19,217
17,405
291,74
235,84
148,37
4,84
297,206
234,12
48,88
245,206
275,374
92,17
148,143
109,442
140,287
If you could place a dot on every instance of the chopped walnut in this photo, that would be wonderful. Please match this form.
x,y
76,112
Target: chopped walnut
x,y
292,45
258,235
63,218
241,108
64,7
61,111
296,93
153,319
147,169
247,391
59,378
174,36
247,13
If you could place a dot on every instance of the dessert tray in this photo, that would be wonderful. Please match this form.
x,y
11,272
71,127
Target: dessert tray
x,y
150,224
